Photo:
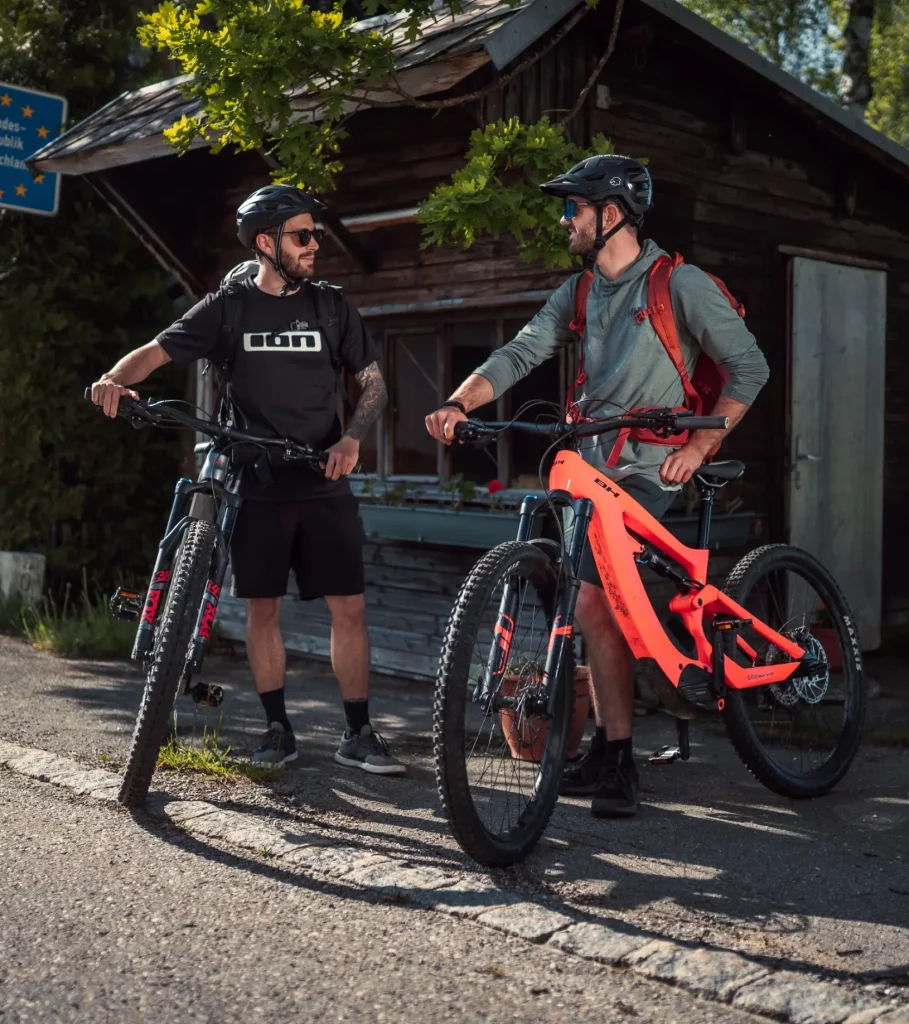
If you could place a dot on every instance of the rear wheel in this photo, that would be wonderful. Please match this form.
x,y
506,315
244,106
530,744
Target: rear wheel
x,y
799,737
498,769
173,634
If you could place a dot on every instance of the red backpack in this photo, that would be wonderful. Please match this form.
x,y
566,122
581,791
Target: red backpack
x,y
704,386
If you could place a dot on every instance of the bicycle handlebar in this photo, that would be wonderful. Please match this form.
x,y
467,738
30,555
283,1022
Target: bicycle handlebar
x,y
664,422
153,413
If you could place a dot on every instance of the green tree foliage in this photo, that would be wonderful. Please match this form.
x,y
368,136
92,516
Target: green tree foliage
x,y
806,38
76,292
496,193
283,75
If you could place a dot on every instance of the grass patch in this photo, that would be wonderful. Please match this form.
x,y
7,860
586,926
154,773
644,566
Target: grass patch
x,y
85,629
211,759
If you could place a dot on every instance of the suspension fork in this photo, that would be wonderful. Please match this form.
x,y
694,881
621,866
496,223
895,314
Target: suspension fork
x,y
503,634
160,577
561,636
227,518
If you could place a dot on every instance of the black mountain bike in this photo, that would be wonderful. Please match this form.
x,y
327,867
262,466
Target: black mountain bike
x,y
178,611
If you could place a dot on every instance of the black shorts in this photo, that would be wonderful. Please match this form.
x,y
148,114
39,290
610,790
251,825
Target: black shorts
x,y
650,497
320,539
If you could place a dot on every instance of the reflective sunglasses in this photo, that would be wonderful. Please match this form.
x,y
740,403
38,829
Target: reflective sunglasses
x,y
304,236
570,209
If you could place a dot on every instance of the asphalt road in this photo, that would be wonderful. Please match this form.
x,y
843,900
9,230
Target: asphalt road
x,y
112,917
713,857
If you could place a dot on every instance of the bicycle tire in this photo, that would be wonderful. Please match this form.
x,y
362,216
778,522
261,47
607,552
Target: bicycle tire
x,y
739,584
488,849
172,638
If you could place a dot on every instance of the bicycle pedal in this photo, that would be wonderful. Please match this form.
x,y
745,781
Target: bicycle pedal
x,y
207,695
126,604
665,755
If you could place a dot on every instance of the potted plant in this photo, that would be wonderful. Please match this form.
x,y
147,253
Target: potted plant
x,y
526,735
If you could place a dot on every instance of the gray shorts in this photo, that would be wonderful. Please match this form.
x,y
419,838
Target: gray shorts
x,y
650,497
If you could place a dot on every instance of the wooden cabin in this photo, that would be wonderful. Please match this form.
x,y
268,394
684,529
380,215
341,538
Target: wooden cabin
x,y
802,209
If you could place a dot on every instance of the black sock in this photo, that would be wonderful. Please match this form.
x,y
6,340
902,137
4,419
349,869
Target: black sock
x,y
598,742
273,702
619,751
357,714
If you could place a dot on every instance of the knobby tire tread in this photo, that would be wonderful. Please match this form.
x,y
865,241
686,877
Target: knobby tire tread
x,y
449,706
173,636
738,726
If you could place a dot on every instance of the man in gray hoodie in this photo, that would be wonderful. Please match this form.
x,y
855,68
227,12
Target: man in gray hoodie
x,y
626,367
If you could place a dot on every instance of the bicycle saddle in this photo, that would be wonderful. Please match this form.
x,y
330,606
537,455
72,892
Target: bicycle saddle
x,y
719,473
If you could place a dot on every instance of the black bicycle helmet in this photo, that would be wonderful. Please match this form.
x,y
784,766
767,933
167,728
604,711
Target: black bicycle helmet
x,y
270,207
609,178
605,179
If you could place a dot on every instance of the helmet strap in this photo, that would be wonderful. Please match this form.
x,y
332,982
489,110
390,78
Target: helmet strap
x,y
290,283
602,239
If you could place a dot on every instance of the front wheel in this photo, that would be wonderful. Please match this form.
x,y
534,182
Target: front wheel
x,y
172,638
799,737
498,766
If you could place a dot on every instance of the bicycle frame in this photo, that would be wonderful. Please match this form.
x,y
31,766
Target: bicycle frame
x,y
614,551
605,514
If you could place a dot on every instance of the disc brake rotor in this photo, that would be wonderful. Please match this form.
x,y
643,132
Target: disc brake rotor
x,y
810,687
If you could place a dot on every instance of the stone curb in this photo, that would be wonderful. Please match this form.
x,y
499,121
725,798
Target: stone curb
x,y
713,974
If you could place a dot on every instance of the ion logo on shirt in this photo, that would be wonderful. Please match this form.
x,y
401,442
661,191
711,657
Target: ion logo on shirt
x,y
286,341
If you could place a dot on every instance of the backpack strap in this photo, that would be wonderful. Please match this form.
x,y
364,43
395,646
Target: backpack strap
x,y
659,309
232,298
578,326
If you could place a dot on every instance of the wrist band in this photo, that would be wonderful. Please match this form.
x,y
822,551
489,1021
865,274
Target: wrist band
x,y
453,403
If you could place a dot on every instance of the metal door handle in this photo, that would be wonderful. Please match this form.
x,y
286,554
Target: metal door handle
x,y
800,453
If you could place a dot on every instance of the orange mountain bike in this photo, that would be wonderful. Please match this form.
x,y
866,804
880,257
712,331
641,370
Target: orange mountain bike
x,y
775,652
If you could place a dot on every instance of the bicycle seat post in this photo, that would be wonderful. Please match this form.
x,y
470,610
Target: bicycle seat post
x,y
708,493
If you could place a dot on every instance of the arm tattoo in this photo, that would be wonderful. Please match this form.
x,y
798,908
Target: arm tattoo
x,y
372,400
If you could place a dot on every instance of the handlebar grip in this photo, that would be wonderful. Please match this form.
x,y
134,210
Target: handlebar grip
x,y
125,406
703,422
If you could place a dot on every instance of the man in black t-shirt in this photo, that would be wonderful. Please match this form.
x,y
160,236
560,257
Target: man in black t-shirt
x,y
296,334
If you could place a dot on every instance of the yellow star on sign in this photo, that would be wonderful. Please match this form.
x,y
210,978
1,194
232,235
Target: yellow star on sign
x,y
39,178
6,99
21,190
42,132
27,111
1,193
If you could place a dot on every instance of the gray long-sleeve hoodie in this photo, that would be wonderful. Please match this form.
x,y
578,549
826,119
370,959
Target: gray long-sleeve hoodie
x,y
626,364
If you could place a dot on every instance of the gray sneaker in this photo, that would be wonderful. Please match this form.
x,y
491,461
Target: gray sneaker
x,y
367,750
276,747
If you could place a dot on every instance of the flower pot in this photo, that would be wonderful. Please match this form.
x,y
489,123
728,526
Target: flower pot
x,y
828,639
526,737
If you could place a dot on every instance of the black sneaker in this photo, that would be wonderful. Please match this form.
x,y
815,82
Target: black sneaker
x,y
582,777
276,747
618,794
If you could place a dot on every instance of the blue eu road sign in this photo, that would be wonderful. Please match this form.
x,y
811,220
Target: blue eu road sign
x,y
28,120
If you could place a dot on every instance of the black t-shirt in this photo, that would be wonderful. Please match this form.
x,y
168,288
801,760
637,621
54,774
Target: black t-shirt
x,y
284,373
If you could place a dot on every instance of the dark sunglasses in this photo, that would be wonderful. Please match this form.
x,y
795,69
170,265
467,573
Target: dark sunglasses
x,y
304,236
570,210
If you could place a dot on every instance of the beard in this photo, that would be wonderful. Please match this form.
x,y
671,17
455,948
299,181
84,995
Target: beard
x,y
580,243
298,267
